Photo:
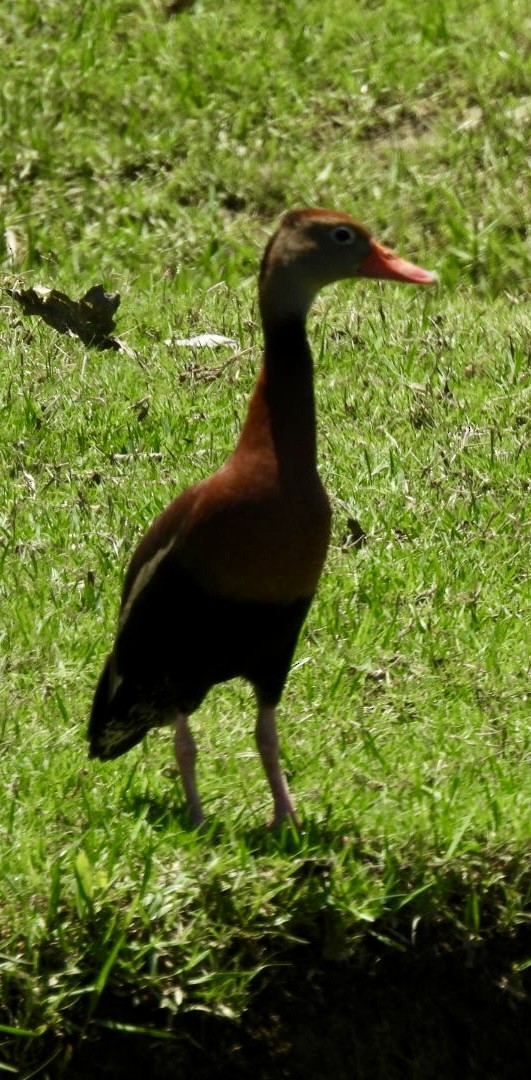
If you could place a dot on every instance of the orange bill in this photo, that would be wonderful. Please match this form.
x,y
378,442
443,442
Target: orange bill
x,y
387,265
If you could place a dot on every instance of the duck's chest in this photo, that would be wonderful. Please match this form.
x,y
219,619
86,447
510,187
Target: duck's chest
x,y
259,537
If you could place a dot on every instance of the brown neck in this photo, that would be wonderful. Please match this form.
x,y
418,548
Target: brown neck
x,y
281,414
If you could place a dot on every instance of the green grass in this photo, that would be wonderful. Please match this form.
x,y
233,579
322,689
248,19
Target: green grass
x,y
155,153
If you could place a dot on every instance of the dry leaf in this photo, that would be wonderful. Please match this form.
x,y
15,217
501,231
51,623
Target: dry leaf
x,y
356,536
472,118
16,246
91,318
203,341
174,7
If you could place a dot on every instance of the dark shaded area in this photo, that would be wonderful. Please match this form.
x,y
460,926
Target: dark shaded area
x,y
430,1013
177,6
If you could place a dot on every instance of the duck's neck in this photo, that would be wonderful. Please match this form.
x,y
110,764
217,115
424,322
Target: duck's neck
x,y
281,416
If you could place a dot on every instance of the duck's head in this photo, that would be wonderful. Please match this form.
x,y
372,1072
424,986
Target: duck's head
x,y
313,248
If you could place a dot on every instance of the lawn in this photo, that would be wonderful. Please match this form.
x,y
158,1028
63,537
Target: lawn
x,y
152,147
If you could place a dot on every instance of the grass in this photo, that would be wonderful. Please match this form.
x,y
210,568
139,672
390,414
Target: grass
x,y
154,152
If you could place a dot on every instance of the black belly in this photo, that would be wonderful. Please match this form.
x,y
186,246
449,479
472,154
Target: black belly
x,y
176,643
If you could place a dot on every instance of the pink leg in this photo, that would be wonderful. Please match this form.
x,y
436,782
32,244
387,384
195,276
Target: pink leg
x,y
267,742
186,753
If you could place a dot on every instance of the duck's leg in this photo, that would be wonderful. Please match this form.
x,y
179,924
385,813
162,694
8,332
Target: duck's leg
x,y
186,754
267,742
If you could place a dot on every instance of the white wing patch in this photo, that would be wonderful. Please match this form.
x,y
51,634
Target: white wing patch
x,y
116,681
142,579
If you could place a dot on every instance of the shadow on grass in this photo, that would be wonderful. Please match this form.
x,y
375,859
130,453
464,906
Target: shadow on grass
x,y
288,839
424,1013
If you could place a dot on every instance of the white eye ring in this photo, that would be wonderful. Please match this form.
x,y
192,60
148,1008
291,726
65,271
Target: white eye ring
x,y
342,234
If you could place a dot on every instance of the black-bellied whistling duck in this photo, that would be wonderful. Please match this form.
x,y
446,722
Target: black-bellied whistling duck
x,y
220,584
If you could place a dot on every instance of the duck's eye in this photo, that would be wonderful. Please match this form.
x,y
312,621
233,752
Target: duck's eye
x,y
343,235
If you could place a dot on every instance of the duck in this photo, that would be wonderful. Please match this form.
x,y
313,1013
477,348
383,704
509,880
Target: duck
x,y
220,584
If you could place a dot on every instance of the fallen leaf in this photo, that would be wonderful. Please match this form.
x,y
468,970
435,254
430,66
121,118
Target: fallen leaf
x,y
16,246
91,318
472,118
356,536
176,6
203,341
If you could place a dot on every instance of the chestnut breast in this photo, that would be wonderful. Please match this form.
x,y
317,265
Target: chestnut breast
x,y
252,534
